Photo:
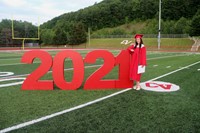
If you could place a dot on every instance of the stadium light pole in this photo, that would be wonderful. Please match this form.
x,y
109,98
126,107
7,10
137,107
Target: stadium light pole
x,y
159,27
88,36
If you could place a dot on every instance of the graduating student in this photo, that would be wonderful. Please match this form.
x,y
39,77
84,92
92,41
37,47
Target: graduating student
x,y
137,51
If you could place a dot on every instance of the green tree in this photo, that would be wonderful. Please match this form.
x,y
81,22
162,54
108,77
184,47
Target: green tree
x,y
47,36
21,29
168,27
60,37
182,26
118,31
61,32
77,34
111,13
195,24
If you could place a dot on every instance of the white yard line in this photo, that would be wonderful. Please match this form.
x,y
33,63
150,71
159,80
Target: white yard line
x,y
14,64
10,59
82,105
147,59
168,66
175,71
67,69
167,56
85,67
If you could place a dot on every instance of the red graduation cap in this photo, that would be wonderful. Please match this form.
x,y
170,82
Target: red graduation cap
x,y
138,36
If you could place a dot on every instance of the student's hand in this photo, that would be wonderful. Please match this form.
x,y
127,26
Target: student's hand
x,y
132,50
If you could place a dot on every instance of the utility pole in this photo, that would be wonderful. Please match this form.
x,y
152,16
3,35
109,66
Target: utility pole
x,y
159,28
88,37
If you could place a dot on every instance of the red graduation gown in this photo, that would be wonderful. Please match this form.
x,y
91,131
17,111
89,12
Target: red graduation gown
x,y
138,57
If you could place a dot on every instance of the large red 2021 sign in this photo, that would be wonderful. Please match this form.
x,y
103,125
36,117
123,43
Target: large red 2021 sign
x,y
94,81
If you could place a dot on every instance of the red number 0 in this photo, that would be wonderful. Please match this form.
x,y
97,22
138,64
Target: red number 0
x,y
58,70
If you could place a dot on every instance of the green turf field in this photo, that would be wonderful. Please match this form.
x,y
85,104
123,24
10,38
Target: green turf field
x,y
167,44
131,111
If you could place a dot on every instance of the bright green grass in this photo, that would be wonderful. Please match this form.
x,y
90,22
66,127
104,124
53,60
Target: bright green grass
x,y
138,111
129,112
166,43
20,106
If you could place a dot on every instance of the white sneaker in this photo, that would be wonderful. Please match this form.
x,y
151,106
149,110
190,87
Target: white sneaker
x,y
138,88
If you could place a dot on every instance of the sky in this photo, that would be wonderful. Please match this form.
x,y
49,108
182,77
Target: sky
x,y
40,11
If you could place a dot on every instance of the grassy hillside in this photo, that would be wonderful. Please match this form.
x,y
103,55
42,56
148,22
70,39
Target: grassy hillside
x,y
170,44
151,43
124,29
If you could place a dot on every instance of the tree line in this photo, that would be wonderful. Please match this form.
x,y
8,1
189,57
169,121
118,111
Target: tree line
x,y
178,17
22,29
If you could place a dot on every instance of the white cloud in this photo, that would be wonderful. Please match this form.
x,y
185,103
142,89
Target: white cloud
x,y
14,3
30,10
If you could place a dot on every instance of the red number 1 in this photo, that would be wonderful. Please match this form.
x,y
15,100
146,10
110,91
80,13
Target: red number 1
x,y
123,60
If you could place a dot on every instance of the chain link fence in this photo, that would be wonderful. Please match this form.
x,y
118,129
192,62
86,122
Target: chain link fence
x,y
145,36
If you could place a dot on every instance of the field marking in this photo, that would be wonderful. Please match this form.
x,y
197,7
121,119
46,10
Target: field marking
x,y
174,71
83,105
11,58
11,84
14,76
168,66
6,74
147,59
87,66
169,56
35,61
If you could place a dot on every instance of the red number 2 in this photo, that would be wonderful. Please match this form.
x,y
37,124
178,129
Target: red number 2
x,y
32,82
95,80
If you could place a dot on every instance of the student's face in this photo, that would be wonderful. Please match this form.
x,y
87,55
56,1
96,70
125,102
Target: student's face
x,y
138,40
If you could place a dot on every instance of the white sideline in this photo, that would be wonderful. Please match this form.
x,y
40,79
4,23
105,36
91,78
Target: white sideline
x,y
67,69
147,59
82,105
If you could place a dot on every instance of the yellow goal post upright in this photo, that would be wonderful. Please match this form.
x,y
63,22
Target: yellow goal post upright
x,y
23,39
